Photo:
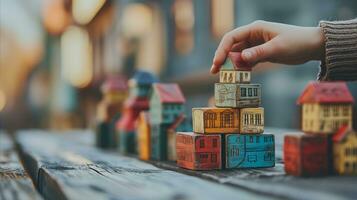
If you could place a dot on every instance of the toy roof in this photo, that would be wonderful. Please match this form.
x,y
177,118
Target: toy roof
x,y
168,93
180,119
342,133
144,78
326,92
234,61
137,103
115,83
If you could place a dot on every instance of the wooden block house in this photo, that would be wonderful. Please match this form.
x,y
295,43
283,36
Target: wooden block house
x,y
249,151
306,155
198,152
233,76
251,120
345,151
143,129
215,120
109,109
326,106
237,95
179,125
166,103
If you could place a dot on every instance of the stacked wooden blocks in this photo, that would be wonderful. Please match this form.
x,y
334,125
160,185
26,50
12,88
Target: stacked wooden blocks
x,y
328,143
138,101
109,109
230,134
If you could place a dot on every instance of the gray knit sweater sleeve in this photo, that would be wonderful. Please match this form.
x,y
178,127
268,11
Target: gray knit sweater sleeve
x,y
341,51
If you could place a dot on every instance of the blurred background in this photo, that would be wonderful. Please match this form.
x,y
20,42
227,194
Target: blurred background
x,y
54,54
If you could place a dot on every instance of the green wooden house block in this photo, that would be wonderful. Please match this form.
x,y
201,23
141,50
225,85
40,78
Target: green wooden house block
x,y
158,139
166,103
233,95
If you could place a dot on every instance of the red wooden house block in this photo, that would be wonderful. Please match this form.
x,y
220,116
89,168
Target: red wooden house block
x,y
306,155
198,152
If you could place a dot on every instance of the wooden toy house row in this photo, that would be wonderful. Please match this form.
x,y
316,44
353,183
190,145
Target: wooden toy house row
x,y
207,152
228,120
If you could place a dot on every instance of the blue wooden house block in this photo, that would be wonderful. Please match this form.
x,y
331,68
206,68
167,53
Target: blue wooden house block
x,y
166,103
249,151
140,83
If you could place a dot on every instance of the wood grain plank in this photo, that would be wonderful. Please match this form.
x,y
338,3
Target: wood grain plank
x,y
14,181
65,169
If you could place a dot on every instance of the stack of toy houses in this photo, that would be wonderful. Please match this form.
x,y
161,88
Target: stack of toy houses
x,y
230,134
114,91
157,128
137,101
328,143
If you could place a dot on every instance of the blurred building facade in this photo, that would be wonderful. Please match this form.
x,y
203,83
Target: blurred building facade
x,y
50,73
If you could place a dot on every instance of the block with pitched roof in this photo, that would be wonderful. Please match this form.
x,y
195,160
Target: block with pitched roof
x,y
326,106
166,103
235,70
345,151
115,90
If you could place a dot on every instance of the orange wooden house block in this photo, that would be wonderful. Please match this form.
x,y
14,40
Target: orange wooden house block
x,y
345,151
215,120
143,135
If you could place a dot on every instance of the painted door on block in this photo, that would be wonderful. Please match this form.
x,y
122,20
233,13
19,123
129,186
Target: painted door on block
x,y
250,151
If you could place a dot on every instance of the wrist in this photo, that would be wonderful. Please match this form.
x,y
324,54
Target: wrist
x,y
318,44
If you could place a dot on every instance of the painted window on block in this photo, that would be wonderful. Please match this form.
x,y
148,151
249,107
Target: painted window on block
x,y
213,158
255,92
243,92
249,92
214,143
202,144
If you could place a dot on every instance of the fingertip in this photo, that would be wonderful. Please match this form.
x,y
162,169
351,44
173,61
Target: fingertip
x,y
214,69
247,56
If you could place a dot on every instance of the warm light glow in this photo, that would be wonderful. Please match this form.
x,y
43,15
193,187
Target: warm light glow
x,y
84,10
2,100
77,57
137,20
184,17
222,17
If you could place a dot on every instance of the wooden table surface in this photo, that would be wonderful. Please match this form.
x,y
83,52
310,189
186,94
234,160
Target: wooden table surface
x,y
68,166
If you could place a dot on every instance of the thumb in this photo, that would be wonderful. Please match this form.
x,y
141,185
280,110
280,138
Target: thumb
x,y
258,53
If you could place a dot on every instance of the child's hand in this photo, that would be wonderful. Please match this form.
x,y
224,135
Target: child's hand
x,y
272,42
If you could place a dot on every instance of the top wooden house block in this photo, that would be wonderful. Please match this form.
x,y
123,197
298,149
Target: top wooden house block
x,y
326,106
235,70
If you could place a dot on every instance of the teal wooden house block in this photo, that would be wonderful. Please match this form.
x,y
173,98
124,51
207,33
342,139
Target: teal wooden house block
x,y
127,142
235,95
159,141
106,137
249,151
166,103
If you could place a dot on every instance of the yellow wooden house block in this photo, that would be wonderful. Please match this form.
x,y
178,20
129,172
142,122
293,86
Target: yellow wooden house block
x,y
143,135
326,106
345,151
325,118
234,76
215,120
252,120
